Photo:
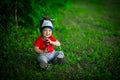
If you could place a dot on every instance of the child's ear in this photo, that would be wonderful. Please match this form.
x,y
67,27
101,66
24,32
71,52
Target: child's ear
x,y
52,20
41,21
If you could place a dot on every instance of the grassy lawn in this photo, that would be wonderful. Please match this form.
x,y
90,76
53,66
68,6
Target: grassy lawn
x,y
90,39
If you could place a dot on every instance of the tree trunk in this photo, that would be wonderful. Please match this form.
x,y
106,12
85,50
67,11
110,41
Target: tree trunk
x,y
16,20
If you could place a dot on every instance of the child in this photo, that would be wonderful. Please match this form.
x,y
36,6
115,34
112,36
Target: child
x,y
44,44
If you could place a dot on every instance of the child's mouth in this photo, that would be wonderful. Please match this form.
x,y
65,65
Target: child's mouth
x,y
47,35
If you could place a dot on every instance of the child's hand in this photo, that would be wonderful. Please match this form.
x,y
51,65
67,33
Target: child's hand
x,y
49,41
45,50
55,43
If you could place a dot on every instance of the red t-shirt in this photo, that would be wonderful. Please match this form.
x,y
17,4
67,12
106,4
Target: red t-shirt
x,y
41,43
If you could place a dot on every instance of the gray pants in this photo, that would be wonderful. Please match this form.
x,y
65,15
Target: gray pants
x,y
43,59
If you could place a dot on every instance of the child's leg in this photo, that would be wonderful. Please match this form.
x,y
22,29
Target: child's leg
x,y
59,58
42,59
60,54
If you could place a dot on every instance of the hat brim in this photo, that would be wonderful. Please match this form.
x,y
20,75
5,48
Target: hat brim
x,y
41,29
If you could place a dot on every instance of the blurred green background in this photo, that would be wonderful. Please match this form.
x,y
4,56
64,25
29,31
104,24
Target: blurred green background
x,y
88,30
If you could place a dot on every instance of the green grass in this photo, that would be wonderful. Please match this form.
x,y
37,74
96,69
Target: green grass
x,y
89,37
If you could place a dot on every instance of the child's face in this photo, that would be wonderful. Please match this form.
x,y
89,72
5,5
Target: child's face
x,y
47,32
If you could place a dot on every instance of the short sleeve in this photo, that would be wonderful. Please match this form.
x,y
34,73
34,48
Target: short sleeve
x,y
52,38
37,42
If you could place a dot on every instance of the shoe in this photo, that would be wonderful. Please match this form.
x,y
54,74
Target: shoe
x,y
61,61
43,66
54,61
49,67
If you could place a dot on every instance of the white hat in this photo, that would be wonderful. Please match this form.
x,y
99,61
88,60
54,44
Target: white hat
x,y
47,23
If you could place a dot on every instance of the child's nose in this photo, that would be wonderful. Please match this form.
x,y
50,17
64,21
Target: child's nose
x,y
47,31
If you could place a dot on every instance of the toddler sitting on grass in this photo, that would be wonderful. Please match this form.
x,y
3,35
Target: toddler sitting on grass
x,y
43,45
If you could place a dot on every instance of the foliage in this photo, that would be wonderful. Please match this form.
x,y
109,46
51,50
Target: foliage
x,y
88,31
28,12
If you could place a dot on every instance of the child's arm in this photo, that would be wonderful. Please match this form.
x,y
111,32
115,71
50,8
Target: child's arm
x,y
39,51
56,43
